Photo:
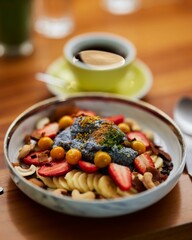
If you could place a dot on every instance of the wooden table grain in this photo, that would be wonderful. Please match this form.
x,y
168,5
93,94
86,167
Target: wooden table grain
x,y
162,33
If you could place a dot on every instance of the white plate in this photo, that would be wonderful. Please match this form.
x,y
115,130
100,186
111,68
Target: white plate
x,y
136,84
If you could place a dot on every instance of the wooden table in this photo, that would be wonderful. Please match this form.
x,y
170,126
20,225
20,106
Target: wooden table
x,y
162,34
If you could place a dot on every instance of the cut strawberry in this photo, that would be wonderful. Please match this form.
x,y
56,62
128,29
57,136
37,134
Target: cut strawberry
x,y
137,135
121,175
50,130
87,166
55,169
143,161
85,112
116,119
37,158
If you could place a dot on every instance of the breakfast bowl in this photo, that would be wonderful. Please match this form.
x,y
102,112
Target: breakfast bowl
x,y
165,134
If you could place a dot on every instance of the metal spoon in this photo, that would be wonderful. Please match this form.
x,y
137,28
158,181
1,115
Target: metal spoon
x,y
183,117
55,81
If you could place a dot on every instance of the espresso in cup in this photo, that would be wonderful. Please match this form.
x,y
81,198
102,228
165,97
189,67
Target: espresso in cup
x,y
99,61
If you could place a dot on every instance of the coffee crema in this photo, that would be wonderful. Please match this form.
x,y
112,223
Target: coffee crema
x,y
97,59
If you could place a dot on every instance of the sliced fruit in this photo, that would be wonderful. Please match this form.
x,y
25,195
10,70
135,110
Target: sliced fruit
x,y
121,175
37,158
90,178
143,161
54,169
137,135
69,178
116,119
75,180
107,187
87,166
83,182
50,130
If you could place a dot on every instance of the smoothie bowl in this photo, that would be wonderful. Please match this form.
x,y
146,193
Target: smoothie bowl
x,y
94,155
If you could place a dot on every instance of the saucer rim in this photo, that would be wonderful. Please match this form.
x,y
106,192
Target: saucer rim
x,y
142,92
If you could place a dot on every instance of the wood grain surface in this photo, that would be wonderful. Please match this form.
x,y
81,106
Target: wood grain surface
x,y
162,33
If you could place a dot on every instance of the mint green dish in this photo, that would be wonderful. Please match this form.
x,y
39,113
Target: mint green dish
x,y
136,83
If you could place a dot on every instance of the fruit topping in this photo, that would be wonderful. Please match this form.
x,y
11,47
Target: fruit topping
x,y
142,162
57,153
50,130
45,143
102,159
37,158
73,156
138,135
116,119
87,166
54,169
121,175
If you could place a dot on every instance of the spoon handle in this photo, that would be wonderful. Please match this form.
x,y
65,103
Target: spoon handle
x,y
188,158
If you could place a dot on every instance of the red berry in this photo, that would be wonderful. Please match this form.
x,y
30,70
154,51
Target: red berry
x,y
55,169
137,135
50,130
87,166
142,162
37,158
116,119
121,175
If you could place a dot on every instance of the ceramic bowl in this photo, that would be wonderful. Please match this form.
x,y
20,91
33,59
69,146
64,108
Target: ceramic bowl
x,y
166,134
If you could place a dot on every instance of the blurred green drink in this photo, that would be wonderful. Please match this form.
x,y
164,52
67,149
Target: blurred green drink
x,y
15,27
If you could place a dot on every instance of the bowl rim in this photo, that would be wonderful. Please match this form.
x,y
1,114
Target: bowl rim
x,y
104,96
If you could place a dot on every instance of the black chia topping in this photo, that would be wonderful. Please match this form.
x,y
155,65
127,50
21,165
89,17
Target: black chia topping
x,y
91,134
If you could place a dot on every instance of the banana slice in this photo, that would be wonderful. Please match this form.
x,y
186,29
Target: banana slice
x,y
107,187
75,180
95,181
90,177
69,177
56,182
48,181
63,183
83,182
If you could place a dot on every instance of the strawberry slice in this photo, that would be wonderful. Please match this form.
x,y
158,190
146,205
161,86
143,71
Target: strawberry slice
x,y
142,162
138,136
87,166
121,175
116,119
54,169
38,158
49,130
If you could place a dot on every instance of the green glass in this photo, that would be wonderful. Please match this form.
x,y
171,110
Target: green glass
x,y
15,27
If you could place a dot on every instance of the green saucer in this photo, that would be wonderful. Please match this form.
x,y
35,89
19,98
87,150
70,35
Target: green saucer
x,y
135,84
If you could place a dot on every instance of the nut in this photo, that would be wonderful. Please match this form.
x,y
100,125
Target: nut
x,y
37,182
26,171
133,124
25,150
60,191
147,180
82,196
42,122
